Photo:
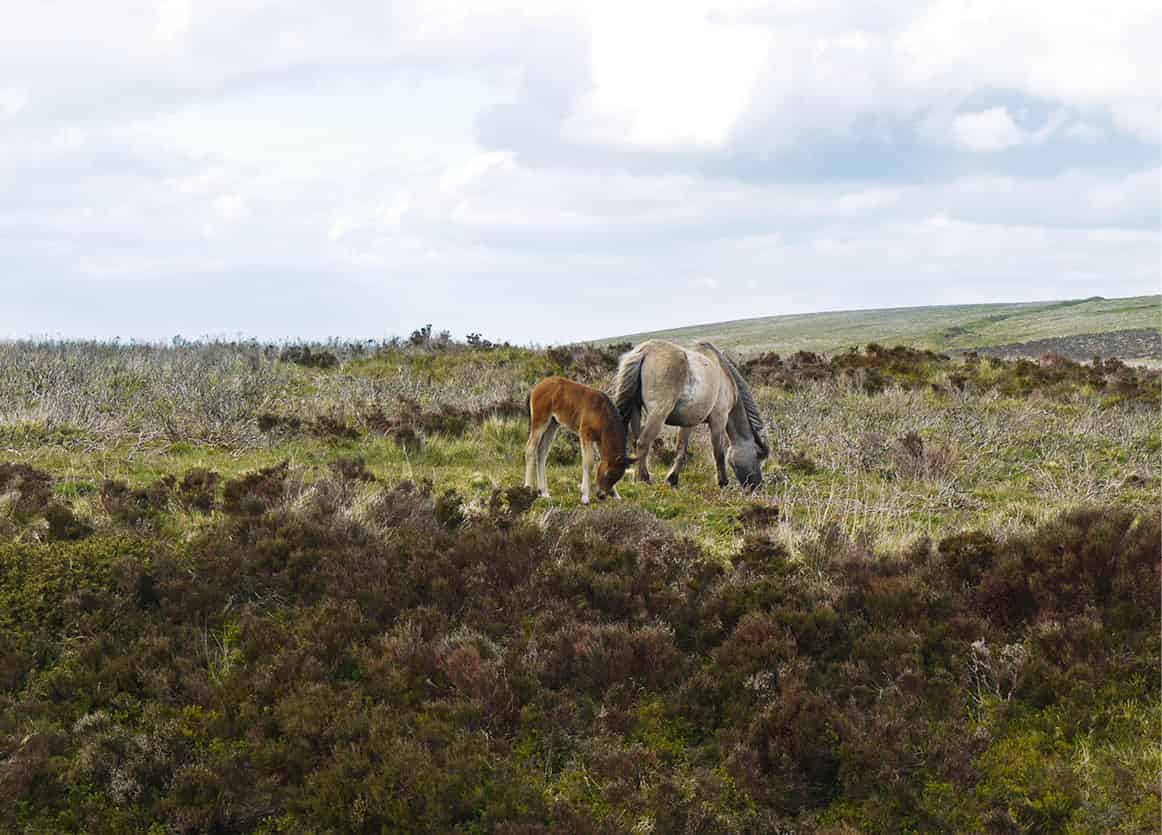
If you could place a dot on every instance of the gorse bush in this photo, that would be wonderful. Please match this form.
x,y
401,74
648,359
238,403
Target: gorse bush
x,y
336,655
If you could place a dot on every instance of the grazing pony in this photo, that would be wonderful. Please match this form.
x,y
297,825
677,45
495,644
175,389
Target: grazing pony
x,y
685,387
555,401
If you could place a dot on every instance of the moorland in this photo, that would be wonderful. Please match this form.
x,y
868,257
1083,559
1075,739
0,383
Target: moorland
x,y
298,588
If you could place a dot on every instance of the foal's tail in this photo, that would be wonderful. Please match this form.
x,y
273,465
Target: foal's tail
x,y
627,385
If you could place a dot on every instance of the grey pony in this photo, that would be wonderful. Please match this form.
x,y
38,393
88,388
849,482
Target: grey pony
x,y
687,387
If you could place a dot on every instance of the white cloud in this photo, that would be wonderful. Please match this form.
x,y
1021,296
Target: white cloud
x,y
230,207
988,130
456,177
173,19
1141,117
430,148
12,101
1083,132
667,75
69,139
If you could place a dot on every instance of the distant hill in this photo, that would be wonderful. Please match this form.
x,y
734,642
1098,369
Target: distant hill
x,y
943,328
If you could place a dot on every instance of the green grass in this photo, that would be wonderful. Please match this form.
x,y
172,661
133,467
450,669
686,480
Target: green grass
x,y
934,328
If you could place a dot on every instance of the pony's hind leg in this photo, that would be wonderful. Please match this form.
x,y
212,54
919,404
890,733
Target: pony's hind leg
x,y
546,442
680,460
634,428
650,430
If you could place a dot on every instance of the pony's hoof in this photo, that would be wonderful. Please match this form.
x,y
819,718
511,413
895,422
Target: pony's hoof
x,y
672,481
724,484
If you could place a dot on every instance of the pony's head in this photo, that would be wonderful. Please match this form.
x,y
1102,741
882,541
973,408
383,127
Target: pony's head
x,y
610,472
746,459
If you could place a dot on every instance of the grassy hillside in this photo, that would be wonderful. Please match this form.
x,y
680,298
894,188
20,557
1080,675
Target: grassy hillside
x,y
935,328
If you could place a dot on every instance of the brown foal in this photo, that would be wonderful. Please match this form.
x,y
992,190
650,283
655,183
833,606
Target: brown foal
x,y
556,402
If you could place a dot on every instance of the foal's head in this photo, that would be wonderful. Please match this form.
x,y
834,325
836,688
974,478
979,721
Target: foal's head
x,y
614,461
610,472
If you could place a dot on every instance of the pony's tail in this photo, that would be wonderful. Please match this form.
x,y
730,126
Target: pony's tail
x,y
627,385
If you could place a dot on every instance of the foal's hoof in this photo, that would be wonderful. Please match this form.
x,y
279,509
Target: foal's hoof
x,y
584,500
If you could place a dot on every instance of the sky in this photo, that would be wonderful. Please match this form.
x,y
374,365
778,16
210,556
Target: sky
x,y
553,171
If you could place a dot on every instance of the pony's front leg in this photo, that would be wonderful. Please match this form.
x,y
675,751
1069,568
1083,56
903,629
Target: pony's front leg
x,y
718,442
680,459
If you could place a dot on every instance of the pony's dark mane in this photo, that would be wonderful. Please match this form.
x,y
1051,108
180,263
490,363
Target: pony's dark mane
x,y
753,418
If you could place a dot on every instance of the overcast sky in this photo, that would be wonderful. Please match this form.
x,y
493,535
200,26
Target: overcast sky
x,y
549,171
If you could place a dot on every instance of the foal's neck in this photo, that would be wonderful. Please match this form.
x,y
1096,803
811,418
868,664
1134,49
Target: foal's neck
x,y
613,434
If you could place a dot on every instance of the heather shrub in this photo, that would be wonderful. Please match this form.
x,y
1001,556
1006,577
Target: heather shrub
x,y
352,469
24,491
197,490
136,507
758,515
28,506
303,355
257,492
912,458
345,656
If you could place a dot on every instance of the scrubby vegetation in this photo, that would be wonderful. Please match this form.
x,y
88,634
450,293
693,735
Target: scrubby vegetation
x,y
241,590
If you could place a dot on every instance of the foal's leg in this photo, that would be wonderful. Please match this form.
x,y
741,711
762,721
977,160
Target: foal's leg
x,y
543,456
537,426
680,461
718,442
587,464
